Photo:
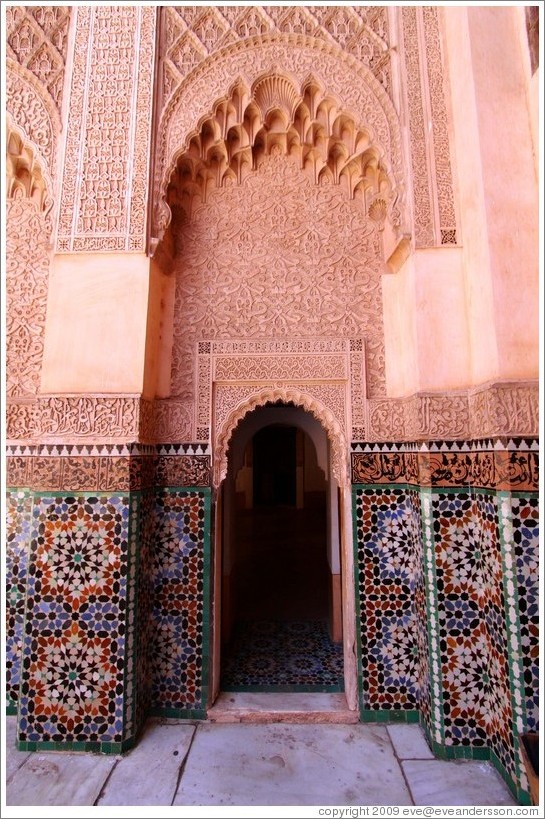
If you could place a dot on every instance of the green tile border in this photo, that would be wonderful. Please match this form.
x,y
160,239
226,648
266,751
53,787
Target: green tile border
x,y
521,795
511,621
80,493
411,717
207,614
110,748
481,753
178,713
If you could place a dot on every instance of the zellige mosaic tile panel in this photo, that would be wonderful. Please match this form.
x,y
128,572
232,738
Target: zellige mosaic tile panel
x,y
18,509
387,529
180,600
461,631
497,714
74,657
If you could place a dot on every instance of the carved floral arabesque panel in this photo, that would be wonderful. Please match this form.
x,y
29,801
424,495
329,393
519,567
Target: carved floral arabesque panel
x,y
27,257
34,113
105,180
276,257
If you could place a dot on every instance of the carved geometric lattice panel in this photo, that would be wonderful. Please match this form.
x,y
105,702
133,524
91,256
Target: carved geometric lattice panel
x,y
37,38
104,189
191,33
332,371
433,194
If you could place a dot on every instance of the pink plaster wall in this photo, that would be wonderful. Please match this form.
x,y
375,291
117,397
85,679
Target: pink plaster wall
x,y
497,190
96,323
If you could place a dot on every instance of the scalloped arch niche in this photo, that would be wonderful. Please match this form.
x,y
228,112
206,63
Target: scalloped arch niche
x,y
280,203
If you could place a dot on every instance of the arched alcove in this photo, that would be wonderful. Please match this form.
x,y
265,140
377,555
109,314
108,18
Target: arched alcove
x,y
277,116
280,556
29,204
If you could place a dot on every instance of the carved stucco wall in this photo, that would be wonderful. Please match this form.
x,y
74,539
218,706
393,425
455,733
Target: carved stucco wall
x,y
37,41
36,52
27,255
105,171
347,80
281,258
204,50
395,53
191,33
425,87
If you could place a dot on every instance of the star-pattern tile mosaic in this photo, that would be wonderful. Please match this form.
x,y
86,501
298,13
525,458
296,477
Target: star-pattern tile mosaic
x,y
462,634
267,655
107,606
73,680
179,600
388,533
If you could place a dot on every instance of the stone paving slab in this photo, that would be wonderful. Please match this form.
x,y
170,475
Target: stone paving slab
x,y
244,764
14,758
301,707
456,782
149,773
292,765
59,779
409,742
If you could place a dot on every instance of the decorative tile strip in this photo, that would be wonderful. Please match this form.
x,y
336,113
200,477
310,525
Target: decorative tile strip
x,y
437,727
512,626
180,600
183,449
387,528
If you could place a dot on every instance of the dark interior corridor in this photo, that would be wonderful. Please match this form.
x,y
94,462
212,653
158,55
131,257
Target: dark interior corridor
x,y
279,586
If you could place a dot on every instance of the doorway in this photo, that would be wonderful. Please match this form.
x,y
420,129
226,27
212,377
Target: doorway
x,y
281,613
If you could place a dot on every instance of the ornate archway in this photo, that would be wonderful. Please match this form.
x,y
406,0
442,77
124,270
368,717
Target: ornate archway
x,y
338,472
287,395
253,58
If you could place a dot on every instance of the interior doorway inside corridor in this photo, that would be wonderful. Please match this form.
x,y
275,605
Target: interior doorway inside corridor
x,y
281,609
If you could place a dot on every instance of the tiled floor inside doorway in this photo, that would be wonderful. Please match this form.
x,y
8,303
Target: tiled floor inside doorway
x,y
277,656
